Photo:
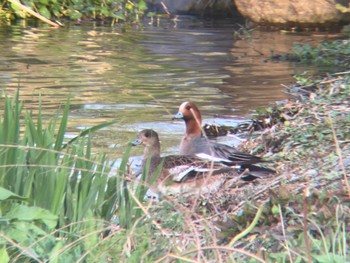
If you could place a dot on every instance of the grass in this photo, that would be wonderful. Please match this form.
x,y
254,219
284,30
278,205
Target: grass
x,y
308,139
334,55
59,204
52,193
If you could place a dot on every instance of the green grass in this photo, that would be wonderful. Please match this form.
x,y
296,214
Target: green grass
x,y
59,202
52,193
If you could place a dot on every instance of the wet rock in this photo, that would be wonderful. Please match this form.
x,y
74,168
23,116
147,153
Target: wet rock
x,y
292,11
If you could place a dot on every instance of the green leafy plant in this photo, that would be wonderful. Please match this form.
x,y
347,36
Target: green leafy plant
x,y
115,11
334,55
61,185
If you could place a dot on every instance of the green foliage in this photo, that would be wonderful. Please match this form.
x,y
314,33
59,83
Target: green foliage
x,y
342,8
46,185
59,202
115,10
335,54
129,202
325,233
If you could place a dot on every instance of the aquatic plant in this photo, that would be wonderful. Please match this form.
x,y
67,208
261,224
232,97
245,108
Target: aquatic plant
x,y
334,55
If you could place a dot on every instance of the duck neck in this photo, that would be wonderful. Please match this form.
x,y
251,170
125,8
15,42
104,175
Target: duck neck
x,y
153,153
193,127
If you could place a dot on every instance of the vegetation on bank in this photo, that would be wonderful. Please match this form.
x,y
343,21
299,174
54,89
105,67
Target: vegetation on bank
x,y
57,199
116,10
333,55
59,202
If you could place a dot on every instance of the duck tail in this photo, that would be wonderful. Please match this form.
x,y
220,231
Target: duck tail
x,y
251,172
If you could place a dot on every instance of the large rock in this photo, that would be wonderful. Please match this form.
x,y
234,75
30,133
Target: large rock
x,y
292,11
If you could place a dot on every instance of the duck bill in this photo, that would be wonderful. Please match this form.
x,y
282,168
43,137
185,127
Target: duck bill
x,y
178,115
136,142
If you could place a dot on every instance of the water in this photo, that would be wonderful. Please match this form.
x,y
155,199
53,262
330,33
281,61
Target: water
x,y
139,77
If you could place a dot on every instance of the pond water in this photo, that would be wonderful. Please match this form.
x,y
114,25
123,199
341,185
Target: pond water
x,y
139,76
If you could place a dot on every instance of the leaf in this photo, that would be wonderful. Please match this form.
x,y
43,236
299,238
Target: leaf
x,y
8,195
90,130
26,213
44,2
18,10
142,5
4,257
329,258
62,128
45,12
74,15
129,6
120,15
105,11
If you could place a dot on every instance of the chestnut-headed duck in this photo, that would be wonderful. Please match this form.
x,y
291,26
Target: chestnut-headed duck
x,y
180,173
194,142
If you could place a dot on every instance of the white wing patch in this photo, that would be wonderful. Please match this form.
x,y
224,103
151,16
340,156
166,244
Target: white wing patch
x,y
180,171
208,157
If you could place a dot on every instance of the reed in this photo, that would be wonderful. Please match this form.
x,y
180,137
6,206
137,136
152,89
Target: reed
x,y
47,183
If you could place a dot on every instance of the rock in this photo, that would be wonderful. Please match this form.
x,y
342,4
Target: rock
x,y
213,8
260,11
292,11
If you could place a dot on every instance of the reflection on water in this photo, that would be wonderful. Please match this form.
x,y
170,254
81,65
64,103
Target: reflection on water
x,y
140,77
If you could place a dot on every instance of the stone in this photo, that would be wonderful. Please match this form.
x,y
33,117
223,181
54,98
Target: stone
x,y
218,8
292,11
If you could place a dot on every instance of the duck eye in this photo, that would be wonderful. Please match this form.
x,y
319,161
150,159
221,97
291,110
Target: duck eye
x,y
188,107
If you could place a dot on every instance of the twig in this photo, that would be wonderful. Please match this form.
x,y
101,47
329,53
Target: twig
x,y
211,248
23,250
306,234
165,8
338,151
342,73
284,233
33,13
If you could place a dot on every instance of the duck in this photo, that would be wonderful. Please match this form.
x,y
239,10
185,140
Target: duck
x,y
179,174
194,142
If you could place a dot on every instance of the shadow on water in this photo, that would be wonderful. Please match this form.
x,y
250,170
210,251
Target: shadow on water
x,y
139,77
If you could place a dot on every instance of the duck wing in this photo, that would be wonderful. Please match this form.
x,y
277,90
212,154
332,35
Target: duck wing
x,y
231,156
185,167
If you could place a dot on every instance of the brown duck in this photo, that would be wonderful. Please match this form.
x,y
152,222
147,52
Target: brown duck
x,y
194,142
181,173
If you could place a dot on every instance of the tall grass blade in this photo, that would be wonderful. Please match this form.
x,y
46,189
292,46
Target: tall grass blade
x,y
62,128
90,130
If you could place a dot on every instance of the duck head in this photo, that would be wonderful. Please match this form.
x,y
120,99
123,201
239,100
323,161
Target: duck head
x,y
147,137
190,113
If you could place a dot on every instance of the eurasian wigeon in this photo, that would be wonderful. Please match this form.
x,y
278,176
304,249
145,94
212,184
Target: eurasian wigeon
x,y
194,142
180,173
